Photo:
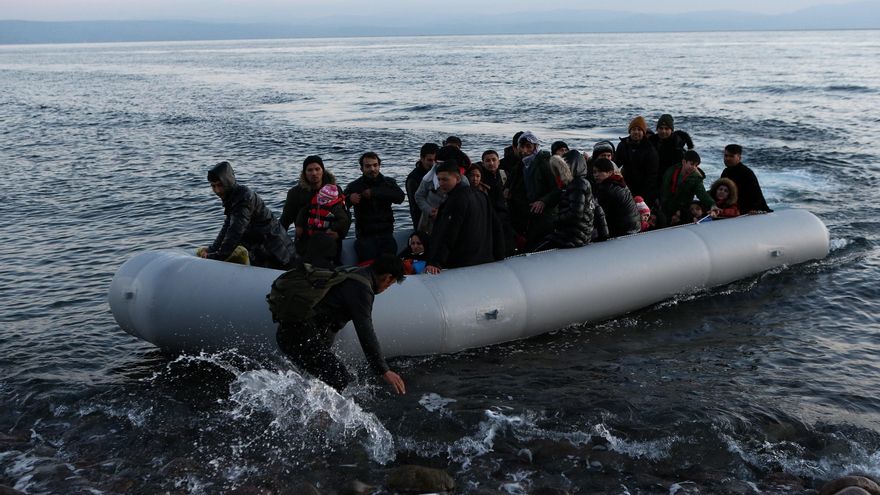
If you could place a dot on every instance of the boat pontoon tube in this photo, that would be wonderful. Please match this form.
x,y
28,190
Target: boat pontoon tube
x,y
180,302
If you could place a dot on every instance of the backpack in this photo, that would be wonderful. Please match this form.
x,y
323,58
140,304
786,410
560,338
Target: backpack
x,y
296,292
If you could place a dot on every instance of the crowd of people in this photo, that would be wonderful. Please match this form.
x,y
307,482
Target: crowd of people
x,y
466,212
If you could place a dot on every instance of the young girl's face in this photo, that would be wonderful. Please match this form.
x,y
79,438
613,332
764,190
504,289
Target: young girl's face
x,y
474,176
645,217
415,245
696,211
722,193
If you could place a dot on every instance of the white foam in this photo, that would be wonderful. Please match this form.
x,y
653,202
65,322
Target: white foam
x,y
791,457
433,402
653,449
294,401
840,243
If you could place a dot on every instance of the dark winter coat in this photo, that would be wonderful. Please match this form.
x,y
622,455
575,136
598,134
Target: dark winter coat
x,y
511,160
620,209
670,151
466,231
249,223
373,216
527,185
574,221
639,164
299,197
413,180
339,220
751,198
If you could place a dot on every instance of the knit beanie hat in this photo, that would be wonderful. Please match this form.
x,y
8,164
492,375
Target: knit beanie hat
x,y
603,147
327,194
638,122
556,145
666,120
313,159
641,205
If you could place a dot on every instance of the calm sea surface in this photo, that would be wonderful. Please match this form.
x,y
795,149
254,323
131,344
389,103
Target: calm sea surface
x,y
767,385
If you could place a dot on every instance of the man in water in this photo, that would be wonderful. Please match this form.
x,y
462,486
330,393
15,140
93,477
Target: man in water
x,y
248,223
751,198
372,195
307,344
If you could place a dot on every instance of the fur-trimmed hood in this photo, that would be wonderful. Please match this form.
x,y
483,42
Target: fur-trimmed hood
x,y
731,186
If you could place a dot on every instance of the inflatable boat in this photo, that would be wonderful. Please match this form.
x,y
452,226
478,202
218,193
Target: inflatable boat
x,y
180,302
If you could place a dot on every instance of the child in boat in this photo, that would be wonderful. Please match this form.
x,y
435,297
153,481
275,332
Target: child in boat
x,y
724,192
648,221
321,227
697,211
414,254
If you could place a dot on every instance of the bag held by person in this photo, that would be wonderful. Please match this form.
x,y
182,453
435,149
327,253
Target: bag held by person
x,y
296,292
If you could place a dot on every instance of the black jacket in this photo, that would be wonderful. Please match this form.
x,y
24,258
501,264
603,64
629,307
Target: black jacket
x,y
620,209
510,160
352,300
412,185
751,197
670,151
639,164
249,223
466,231
374,217
574,222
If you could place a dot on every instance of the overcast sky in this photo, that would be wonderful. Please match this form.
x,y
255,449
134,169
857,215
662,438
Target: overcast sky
x,y
290,10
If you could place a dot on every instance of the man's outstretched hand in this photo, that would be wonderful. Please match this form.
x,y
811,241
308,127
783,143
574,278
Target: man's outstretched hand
x,y
395,381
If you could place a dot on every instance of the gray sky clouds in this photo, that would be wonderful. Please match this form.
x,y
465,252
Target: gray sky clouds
x,y
287,11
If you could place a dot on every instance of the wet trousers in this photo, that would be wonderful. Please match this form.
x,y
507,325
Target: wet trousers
x,y
307,345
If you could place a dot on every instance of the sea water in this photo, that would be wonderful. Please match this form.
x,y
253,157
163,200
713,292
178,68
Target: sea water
x,y
766,385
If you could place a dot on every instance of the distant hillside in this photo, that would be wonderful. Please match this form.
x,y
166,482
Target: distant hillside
x,y
860,15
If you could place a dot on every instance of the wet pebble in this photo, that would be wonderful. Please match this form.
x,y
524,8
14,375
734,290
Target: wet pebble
x,y
356,487
836,487
738,487
547,451
549,490
785,481
13,442
419,479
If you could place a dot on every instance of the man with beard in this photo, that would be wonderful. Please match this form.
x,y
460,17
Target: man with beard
x,y
312,178
372,196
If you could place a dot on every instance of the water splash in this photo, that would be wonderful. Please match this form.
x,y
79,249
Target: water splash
x,y
433,402
852,457
292,409
292,400
652,450
838,244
